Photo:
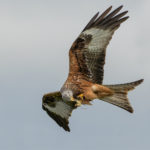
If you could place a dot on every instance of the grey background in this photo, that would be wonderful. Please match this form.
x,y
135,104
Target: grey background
x,y
35,37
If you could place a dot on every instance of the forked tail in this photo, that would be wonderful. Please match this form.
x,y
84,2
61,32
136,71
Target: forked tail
x,y
119,98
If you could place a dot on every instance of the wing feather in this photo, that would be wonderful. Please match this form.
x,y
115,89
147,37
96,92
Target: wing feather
x,y
89,48
58,109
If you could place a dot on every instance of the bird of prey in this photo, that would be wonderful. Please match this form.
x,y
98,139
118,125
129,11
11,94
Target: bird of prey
x,y
86,69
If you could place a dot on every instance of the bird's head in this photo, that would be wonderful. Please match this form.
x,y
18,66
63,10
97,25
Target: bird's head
x,y
67,94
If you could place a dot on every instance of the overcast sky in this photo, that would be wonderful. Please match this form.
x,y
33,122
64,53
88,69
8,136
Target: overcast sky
x,y
35,36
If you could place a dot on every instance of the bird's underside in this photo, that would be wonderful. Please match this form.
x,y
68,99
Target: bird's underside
x,y
86,63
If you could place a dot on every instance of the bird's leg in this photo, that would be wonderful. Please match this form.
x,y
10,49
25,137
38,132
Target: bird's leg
x,y
81,96
78,102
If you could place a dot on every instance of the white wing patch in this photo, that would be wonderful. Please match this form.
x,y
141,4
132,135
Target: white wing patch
x,y
61,109
100,38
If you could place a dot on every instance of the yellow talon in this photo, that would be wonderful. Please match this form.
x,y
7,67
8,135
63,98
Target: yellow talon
x,y
81,96
78,103
72,99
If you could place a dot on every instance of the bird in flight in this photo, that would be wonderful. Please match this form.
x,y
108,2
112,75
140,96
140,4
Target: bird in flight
x,y
86,69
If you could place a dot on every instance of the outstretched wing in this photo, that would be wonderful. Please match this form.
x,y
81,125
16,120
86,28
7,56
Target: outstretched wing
x,y
87,54
58,109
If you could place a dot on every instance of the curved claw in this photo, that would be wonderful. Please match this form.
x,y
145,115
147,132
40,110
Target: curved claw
x,y
81,96
72,98
78,103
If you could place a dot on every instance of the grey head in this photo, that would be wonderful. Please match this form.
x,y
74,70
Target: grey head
x,y
66,94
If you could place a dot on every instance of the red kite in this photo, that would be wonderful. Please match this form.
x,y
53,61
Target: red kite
x,y
86,69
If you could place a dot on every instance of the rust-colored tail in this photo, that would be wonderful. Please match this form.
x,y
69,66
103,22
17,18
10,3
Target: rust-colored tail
x,y
119,98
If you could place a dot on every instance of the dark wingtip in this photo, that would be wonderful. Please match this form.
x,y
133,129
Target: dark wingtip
x,y
136,83
120,7
130,110
109,8
117,9
106,18
91,21
97,14
124,19
141,80
67,129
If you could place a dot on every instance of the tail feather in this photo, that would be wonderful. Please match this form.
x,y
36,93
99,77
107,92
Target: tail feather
x,y
119,98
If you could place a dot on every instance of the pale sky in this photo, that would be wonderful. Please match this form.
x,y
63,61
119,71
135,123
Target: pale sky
x,y
35,36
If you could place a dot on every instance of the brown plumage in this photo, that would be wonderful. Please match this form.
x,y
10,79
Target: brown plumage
x,y
86,70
